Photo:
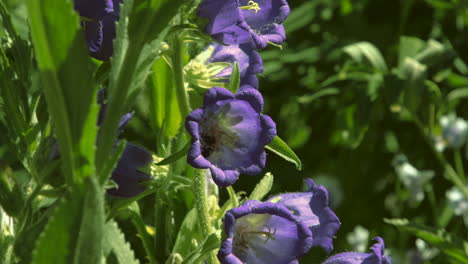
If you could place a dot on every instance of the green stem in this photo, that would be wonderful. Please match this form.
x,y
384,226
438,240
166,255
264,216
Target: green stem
x,y
118,95
178,70
145,238
200,193
459,164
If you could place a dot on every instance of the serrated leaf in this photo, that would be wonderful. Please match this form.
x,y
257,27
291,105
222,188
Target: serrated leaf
x,y
74,232
65,69
143,26
114,242
365,50
448,243
280,148
262,188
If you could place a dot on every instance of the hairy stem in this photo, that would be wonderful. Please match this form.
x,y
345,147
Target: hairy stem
x,y
201,197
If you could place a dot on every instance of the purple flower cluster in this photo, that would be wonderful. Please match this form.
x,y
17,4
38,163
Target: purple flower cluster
x,y
286,227
229,132
243,26
98,18
279,230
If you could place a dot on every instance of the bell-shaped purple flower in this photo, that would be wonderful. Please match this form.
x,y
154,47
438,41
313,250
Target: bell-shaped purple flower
x,y
263,233
248,59
229,134
312,208
127,175
225,21
245,21
264,18
98,19
376,257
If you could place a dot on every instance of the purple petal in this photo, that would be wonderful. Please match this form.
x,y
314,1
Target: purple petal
x,y
288,239
126,174
312,208
377,257
225,22
254,97
94,9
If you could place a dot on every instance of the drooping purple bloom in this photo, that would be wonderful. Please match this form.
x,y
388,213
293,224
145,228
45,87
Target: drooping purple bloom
x,y
229,134
376,257
127,175
249,61
264,18
263,233
98,19
229,20
312,208
225,21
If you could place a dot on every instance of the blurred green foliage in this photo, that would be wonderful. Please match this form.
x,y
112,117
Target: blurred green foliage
x,y
357,84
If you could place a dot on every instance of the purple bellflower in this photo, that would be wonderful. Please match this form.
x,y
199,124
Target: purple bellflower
x,y
376,257
98,19
312,208
249,61
263,233
229,134
127,174
245,21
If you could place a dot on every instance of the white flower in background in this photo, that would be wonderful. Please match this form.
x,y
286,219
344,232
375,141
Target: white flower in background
x,y
458,203
454,132
6,223
423,253
427,252
412,178
358,239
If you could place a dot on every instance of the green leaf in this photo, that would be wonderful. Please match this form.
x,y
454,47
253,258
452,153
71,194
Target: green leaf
x,y
183,244
280,148
434,53
359,51
262,188
234,80
65,68
175,156
448,243
414,74
306,99
457,94
75,230
409,47
115,243
211,243
142,26
301,16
